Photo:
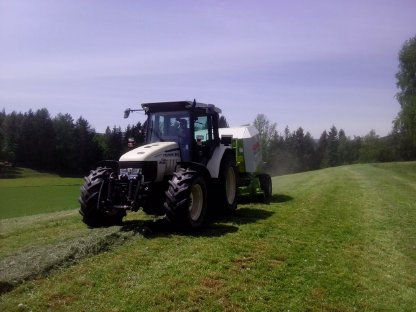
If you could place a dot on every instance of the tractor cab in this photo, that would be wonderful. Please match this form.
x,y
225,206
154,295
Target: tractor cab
x,y
193,126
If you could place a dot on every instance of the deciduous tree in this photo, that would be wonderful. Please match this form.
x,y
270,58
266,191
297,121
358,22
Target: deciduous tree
x,y
266,131
405,122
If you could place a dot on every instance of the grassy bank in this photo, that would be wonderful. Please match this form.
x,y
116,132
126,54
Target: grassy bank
x,y
339,239
26,192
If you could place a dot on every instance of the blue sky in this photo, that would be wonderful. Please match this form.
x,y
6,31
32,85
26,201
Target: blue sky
x,y
301,63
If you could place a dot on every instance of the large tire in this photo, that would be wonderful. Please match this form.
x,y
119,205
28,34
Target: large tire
x,y
266,187
186,199
227,183
154,202
92,193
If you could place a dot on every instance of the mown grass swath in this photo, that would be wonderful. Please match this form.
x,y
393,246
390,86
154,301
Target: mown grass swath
x,y
338,239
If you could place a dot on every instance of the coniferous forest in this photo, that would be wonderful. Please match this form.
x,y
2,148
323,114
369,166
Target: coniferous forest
x,y
61,144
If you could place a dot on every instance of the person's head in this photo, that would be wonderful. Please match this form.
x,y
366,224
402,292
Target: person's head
x,y
182,124
131,143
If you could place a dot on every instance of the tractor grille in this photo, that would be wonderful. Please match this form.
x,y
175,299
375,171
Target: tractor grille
x,y
147,168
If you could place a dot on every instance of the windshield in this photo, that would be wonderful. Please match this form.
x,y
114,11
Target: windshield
x,y
167,126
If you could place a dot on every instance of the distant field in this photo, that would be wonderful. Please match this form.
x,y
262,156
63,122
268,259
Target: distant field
x,y
26,192
339,239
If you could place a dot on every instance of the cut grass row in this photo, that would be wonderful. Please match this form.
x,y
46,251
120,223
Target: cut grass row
x,y
340,239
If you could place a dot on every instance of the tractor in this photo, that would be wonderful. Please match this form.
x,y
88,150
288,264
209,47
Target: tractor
x,y
183,169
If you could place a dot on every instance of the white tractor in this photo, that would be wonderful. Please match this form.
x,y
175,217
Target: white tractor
x,y
183,168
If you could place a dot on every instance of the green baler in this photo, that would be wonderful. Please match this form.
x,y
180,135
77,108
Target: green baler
x,y
246,144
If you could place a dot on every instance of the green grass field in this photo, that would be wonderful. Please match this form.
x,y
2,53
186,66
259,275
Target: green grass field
x,y
339,239
26,192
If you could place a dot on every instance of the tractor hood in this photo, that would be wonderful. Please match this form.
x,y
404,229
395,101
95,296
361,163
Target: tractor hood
x,y
154,161
152,152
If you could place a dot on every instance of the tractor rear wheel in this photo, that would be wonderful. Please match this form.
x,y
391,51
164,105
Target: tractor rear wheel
x,y
93,194
186,199
266,187
227,184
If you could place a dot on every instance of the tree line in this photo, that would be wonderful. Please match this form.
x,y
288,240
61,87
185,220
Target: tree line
x,y
298,151
61,144
69,146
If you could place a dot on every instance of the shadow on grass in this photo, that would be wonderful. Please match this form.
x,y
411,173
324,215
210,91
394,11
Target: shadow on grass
x,y
244,216
280,198
5,287
10,172
216,226
276,198
163,228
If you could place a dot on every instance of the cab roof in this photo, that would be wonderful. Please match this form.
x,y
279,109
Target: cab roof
x,y
178,106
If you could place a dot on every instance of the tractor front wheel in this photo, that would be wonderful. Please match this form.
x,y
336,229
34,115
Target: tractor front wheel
x,y
186,199
93,194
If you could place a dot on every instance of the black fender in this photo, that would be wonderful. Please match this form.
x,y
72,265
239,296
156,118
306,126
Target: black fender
x,y
197,167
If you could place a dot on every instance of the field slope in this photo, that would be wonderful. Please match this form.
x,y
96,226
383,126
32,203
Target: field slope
x,y
26,192
339,239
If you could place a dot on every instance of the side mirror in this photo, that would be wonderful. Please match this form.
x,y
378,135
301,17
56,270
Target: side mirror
x,y
127,113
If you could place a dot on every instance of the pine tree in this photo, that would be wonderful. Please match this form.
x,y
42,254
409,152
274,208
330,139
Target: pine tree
x,y
65,143
222,122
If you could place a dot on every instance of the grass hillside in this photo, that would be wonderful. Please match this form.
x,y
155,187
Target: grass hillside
x,y
339,239
26,192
